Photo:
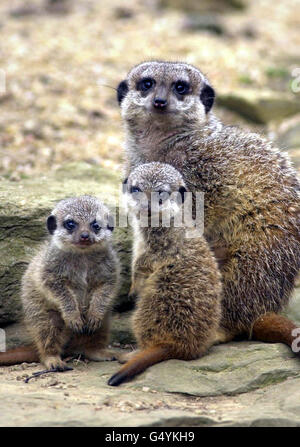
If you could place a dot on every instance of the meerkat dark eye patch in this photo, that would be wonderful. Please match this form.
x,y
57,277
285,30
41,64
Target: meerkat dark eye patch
x,y
145,84
70,225
181,87
181,191
95,226
111,224
51,224
134,189
207,97
122,91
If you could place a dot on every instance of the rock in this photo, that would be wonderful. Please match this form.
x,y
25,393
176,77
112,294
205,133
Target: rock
x,y
124,13
24,206
121,329
260,106
204,5
16,335
289,138
203,22
229,369
241,384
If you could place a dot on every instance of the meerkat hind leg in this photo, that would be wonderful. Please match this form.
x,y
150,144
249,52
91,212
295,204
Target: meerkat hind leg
x,y
50,339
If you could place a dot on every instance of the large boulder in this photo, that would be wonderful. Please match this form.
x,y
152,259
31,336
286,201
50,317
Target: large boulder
x,y
260,106
289,138
24,206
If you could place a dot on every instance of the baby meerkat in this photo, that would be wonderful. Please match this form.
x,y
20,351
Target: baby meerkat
x,y
252,200
175,278
69,287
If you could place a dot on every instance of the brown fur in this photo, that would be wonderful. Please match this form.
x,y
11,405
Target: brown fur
x,y
177,283
273,328
21,354
252,212
68,289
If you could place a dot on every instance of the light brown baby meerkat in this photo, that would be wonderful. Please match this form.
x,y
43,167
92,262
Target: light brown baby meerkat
x,y
176,279
251,191
69,287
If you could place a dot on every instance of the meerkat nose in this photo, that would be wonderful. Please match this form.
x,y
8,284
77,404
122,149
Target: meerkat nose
x,y
84,236
160,103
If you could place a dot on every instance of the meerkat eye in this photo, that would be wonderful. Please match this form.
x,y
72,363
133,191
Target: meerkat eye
x,y
95,227
134,189
181,87
70,225
145,84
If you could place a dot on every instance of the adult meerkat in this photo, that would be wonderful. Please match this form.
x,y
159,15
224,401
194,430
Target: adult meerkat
x,y
69,287
251,191
176,279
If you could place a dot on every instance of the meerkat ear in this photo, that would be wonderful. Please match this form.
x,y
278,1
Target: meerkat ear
x,y
181,191
122,91
51,224
207,97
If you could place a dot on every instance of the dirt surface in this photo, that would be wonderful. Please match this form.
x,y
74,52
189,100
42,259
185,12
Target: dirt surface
x,y
259,388
62,67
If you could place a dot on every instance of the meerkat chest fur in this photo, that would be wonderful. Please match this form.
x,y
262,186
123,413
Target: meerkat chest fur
x,y
82,272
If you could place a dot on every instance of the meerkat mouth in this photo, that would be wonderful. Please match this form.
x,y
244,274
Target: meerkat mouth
x,y
161,112
84,244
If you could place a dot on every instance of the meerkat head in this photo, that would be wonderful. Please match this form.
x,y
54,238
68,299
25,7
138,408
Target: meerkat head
x,y
79,223
154,188
167,91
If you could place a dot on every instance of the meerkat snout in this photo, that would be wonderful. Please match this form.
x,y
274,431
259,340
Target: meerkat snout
x,y
160,104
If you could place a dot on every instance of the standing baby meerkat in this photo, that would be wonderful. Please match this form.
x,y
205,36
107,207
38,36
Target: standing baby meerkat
x,y
251,191
176,279
69,287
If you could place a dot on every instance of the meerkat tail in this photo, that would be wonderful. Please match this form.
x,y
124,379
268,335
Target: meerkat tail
x,y
274,328
21,354
139,363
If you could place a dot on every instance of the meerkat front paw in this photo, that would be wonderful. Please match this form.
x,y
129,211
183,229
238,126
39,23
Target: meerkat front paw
x,y
74,322
94,322
55,363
